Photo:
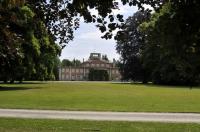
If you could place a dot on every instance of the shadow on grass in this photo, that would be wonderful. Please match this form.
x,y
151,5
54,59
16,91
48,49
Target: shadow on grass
x,y
10,88
33,83
129,83
157,85
24,83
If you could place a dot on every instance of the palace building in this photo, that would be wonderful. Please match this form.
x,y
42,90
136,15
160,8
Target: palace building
x,y
95,61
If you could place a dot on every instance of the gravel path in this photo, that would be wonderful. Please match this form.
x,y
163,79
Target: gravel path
x,y
102,116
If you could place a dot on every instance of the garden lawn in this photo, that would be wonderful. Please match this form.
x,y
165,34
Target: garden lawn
x,y
32,125
95,96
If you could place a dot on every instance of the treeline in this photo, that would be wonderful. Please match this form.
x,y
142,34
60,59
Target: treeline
x,y
162,47
76,62
67,62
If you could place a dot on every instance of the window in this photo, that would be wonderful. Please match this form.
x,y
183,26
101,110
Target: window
x,y
117,72
67,70
81,70
77,77
113,71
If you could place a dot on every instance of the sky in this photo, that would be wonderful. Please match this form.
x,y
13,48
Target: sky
x,y
87,39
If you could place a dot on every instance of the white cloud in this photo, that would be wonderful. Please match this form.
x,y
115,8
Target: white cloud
x,y
87,42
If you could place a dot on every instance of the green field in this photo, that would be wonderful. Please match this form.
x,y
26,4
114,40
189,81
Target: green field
x,y
32,125
99,97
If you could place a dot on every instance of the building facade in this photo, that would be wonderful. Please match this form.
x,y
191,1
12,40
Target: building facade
x,y
80,73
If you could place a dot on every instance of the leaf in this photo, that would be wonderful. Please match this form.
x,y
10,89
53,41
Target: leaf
x,y
112,26
99,20
102,28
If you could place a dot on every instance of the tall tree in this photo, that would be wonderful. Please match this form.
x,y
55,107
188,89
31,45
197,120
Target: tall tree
x,y
172,50
130,45
66,63
57,65
74,62
23,40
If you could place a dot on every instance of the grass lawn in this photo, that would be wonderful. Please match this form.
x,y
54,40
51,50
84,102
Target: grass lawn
x,y
99,97
32,125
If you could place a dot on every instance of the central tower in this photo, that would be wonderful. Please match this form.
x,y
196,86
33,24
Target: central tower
x,y
95,56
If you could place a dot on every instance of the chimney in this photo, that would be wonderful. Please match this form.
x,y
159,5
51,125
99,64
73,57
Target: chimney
x,y
114,62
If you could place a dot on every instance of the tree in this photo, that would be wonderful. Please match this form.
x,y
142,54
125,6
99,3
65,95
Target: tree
x,y
74,62
57,65
130,45
66,63
172,44
104,57
23,39
13,27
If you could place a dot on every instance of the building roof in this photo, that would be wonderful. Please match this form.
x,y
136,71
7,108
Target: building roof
x,y
97,61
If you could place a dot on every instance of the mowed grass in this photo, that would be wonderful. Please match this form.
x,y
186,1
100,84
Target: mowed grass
x,y
99,97
32,125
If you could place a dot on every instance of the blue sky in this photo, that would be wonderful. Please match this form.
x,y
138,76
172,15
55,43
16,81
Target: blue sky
x,y
87,39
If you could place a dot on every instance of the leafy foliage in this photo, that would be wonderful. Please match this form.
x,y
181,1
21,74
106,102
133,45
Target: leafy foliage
x,y
23,51
63,16
66,62
130,45
172,49
167,46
